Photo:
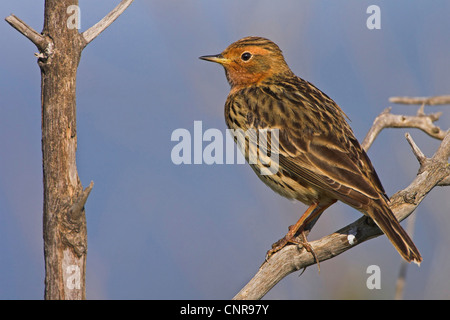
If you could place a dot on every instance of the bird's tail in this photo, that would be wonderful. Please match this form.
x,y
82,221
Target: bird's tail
x,y
388,223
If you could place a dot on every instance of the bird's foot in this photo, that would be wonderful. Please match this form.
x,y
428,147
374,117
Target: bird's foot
x,y
280,244
277,246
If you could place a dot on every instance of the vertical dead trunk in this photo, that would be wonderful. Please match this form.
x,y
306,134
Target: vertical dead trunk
x,y
64,220
65,237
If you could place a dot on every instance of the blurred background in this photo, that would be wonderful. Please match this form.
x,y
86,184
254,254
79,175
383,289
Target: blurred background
x,y
157,230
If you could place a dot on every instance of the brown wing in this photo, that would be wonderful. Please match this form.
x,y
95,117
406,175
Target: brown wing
x,y
316,144
323,164
317,147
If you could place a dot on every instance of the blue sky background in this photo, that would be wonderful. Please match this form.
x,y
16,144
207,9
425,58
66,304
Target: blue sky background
x,y
161,231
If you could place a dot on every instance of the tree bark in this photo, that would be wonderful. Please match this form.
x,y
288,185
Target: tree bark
x,y
65,235
64,220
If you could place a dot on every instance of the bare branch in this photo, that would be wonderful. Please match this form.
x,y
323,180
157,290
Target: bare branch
x,y
75,212
417,152
437,100
100,26
443,152
420,121
38,39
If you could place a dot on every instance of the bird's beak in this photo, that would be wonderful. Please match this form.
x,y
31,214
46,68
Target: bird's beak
x,y
218,58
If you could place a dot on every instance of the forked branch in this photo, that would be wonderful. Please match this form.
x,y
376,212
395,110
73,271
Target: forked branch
x,y
38,39
422,121
87,36
91,33
64,218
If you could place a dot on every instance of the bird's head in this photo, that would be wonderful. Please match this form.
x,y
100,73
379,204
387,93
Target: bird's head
x,y
250,60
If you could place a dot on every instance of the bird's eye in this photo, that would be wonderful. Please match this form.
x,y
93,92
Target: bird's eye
x,y
246,56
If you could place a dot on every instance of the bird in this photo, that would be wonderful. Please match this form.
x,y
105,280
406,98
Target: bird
x,y
319,159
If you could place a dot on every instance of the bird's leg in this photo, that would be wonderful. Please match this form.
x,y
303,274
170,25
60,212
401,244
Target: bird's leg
x,y
304,242
289,237
310,214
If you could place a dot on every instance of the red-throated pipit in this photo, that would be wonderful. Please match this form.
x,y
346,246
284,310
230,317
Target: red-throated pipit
x,y
320,160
